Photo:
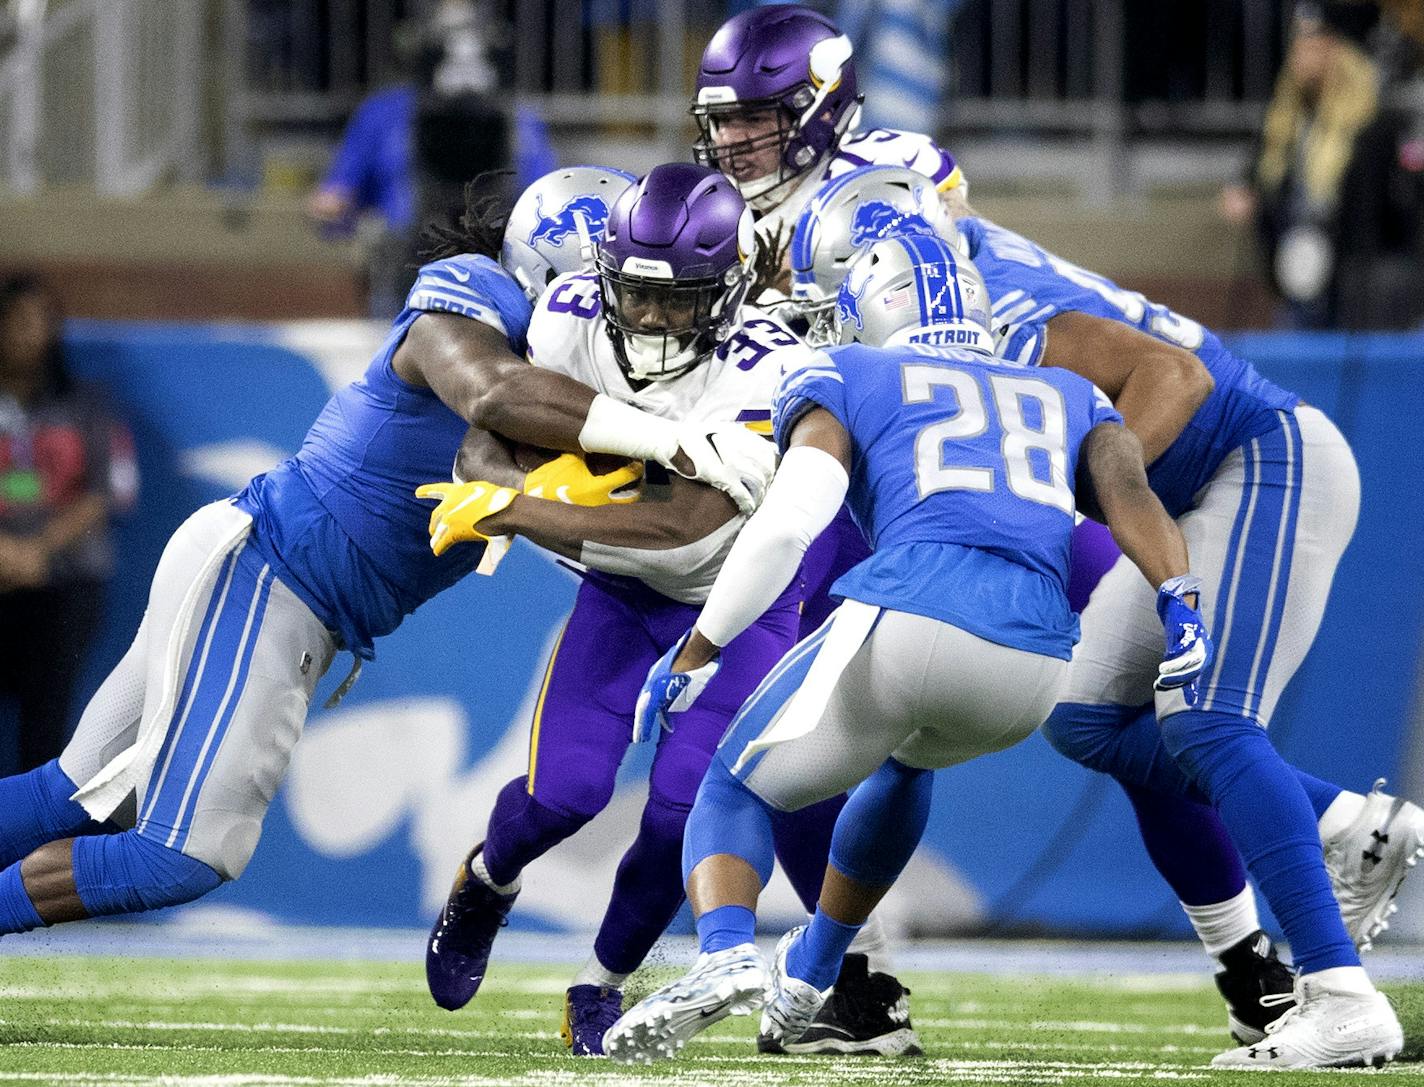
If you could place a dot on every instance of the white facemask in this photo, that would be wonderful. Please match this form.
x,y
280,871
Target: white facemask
x,y
648,359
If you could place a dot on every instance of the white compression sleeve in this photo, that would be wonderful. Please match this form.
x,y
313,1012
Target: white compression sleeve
x,y
808,491
612,426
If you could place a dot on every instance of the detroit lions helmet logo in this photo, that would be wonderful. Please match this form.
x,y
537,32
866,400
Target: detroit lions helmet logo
x,y
555,228
875,219
848,303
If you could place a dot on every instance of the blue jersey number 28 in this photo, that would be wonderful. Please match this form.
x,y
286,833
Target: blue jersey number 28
x,y
971,418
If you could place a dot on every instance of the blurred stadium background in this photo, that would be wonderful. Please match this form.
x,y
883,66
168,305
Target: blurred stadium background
x,y
162,171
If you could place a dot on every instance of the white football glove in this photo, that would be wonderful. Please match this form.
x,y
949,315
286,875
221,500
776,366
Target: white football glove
x,y
731,458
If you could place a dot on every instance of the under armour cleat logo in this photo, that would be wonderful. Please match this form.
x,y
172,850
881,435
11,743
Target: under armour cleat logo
x,y
1272,1052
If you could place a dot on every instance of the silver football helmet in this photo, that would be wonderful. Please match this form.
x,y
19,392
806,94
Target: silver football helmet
x,y
914,288
556,224
844,219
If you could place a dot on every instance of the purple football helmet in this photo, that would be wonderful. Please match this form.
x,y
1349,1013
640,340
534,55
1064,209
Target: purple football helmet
x,y
675,265
775,94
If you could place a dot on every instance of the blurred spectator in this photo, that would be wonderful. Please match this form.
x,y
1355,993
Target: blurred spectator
x,y
65,467
1314,185
1404,36
409,149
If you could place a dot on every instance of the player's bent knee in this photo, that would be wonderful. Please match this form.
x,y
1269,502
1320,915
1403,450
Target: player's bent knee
x,y
1087,734
124,873
1213,747
728,818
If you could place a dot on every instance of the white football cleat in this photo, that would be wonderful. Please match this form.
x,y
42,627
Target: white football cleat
x,y
723,983
1326,1029
1369,859
791,1004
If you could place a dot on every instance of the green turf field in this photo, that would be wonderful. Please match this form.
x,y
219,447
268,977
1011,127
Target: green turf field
x,y
189,1023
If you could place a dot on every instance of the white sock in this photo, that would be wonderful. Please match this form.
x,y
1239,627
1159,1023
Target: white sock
x,y
1343,811
1344,979
481,873
594,972
872,942
1221,925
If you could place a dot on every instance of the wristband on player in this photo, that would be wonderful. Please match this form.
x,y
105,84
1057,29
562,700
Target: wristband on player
x,y
612,426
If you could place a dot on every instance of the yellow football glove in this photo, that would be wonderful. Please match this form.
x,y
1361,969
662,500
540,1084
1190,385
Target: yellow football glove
x,y
462,507
567,478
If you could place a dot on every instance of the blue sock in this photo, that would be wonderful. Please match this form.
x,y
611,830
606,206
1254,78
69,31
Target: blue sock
x,y
123,873
17,912
882,823
727,817
816,956
1269,816
35,809
1321,794
724,927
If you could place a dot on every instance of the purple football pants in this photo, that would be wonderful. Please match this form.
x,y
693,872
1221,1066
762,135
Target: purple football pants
x,y
582,728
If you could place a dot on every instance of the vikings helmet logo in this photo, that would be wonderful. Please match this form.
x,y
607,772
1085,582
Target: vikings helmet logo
x,y
875,219
848,303
555,228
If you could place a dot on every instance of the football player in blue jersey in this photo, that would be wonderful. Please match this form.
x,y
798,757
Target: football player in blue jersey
x,y
185,742
955,634
1195,406
778,111
1267,493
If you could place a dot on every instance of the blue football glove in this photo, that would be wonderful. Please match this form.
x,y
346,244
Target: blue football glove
x,y
1189,648
666,691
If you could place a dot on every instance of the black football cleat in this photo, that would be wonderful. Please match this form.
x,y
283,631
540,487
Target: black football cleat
x,y
866,1015
1257,986
458,951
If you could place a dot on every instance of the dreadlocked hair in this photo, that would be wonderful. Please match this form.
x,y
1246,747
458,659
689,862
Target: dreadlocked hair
x,y
480,228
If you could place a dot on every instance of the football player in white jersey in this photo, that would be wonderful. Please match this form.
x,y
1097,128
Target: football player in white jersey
x,y
660,325
777,109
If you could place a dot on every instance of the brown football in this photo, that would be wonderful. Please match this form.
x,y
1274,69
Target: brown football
x,y
529,457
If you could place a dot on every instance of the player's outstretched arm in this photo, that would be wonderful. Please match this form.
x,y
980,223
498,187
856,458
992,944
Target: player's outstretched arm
x,y
468,365
1113,489
806,494
1156,386
1112,486
673,516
